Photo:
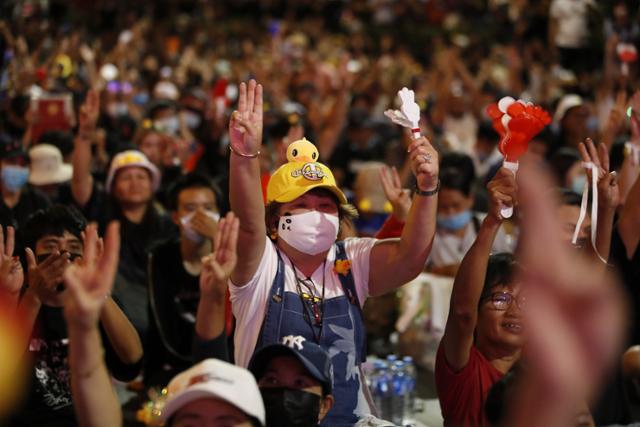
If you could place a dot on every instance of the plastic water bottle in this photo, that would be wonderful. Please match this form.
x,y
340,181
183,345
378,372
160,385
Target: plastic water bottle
x,y
381,388
399,392
410,397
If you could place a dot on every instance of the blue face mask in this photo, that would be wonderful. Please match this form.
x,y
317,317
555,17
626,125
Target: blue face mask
x,y
454,222
577,183
14,177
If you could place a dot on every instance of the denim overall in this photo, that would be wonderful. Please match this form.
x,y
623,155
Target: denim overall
x,y
341,334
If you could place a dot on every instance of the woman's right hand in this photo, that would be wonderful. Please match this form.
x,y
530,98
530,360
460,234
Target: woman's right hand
x,y
245,126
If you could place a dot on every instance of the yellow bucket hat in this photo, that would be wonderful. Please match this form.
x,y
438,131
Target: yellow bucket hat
x,y
299,175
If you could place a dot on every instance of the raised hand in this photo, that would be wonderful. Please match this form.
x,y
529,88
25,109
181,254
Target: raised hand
x,y
11,274
424,163
502,192
89,112
89,282
217,267
575,315
245,126
397,196
616,116
608,189
45,277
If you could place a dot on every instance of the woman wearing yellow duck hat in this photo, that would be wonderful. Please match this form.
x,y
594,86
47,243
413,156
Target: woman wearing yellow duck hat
x,y
293,278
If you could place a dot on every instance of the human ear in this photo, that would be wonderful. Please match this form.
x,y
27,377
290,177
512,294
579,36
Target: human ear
x,y
325,405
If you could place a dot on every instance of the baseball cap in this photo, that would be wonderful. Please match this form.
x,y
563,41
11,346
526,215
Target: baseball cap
x,y
295,178
130,158
47,167
313,357
566,103
213,378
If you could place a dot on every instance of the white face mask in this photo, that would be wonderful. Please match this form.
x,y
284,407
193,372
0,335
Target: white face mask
x,y
311,232
191,234
170,125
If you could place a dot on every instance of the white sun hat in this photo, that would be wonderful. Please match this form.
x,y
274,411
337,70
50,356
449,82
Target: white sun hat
x,y
46,165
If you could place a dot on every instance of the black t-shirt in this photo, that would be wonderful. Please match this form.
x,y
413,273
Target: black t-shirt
x,y
173,302
31,200
137,240
48,401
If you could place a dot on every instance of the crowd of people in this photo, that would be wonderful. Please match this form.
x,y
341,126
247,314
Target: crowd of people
x,y
206,217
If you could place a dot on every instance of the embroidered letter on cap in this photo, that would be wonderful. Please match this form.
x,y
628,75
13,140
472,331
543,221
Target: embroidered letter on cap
x,y
291,341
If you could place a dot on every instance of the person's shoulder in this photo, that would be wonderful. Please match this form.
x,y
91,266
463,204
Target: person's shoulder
x,y
40,199
166,249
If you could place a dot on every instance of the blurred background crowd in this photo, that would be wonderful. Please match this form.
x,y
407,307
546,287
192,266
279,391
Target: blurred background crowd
x,y
165,78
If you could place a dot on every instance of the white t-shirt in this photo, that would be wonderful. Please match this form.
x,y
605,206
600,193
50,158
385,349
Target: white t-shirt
x,y
249,302
573,25
449,249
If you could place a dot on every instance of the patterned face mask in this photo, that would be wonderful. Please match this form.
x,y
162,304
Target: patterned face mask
x,y
311,232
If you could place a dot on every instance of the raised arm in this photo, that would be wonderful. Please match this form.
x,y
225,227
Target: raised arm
x,y
82,181
216,269
335,121
629,171
396,262
469,282
245,133
94,400
122,335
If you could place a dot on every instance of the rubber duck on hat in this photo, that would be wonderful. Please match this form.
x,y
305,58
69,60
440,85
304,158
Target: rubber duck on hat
x,y
302,151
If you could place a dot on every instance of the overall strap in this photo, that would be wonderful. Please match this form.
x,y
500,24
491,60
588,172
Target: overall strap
x,y
270,330
349,289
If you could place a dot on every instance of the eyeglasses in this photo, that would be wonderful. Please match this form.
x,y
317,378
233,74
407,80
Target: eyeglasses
x,y
502,300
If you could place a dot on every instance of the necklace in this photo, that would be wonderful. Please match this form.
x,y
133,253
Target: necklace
x,y
312,305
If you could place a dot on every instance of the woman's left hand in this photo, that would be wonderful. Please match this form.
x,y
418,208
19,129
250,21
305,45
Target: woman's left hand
x,y
424,163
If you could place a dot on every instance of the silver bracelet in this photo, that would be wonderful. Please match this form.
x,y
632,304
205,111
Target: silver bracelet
x,y
246,156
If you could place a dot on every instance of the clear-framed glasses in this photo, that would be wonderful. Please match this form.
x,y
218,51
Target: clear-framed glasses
x,y
503,300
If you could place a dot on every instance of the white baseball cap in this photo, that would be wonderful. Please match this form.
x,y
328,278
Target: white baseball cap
x,y
130,158
46,166
214,378
566,103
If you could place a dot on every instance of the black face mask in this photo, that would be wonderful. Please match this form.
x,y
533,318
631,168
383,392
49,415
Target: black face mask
x,y
288,407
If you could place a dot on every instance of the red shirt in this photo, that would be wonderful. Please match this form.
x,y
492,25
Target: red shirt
x,y
392,227
462,394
